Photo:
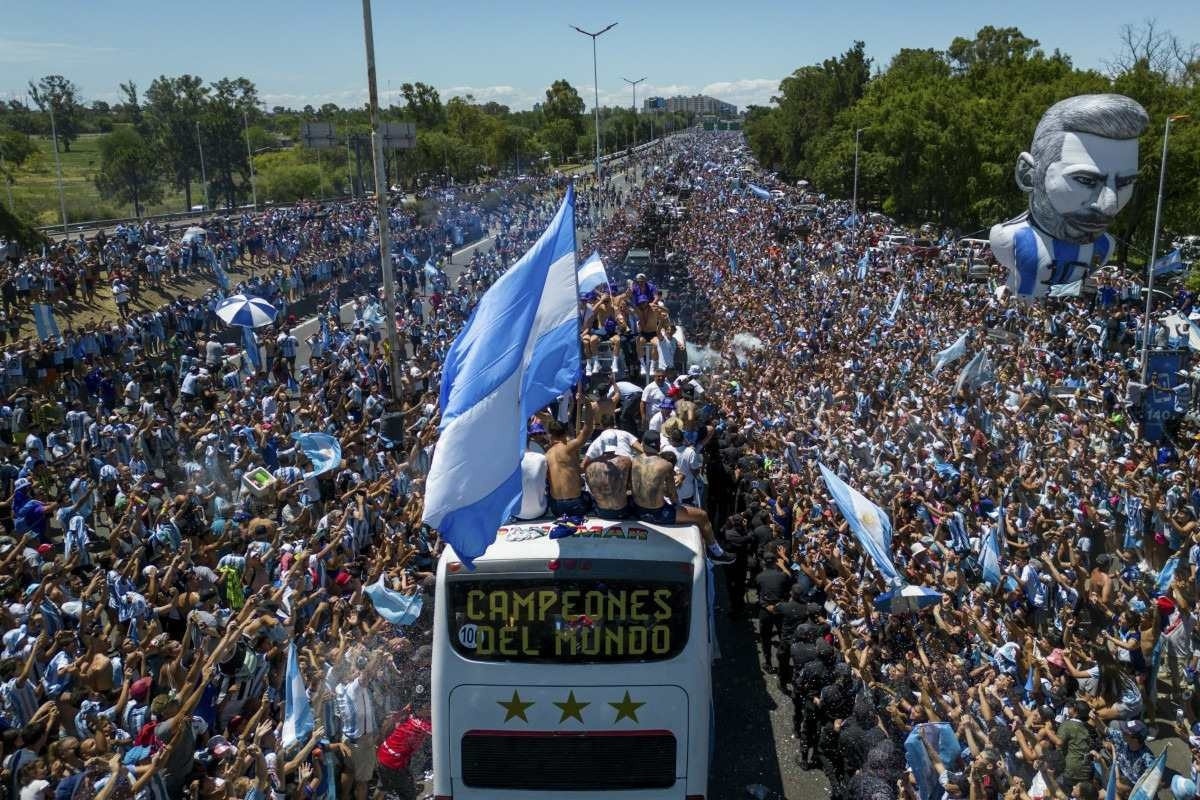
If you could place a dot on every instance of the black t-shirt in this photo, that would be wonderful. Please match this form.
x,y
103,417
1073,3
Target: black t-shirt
x,y
773,585
790,614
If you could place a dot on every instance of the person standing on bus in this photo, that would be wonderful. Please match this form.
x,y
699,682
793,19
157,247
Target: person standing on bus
x,y
653,483
567,495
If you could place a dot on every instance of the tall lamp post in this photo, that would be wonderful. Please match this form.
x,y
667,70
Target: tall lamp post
x,y
62,198
250,158
634,85
381,206
203,173
854,203
1162,180
596,86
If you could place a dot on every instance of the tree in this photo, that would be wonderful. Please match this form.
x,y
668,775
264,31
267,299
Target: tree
x,y
129,171
59,96
131,108
173,108
231,103
563,102
559,135
423,104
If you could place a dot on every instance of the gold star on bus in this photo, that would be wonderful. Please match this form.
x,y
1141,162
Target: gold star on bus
x,y
626,708
514,707
571,708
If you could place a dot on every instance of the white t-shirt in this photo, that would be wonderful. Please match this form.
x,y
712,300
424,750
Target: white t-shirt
x,y
652,395
533,486
612,440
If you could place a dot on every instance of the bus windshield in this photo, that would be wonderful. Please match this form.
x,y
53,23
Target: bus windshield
x,y
612,611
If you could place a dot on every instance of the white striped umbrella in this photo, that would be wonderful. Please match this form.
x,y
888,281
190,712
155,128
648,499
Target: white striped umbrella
x,y
248,312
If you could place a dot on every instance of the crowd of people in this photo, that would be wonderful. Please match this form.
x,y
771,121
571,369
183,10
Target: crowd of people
x,y
965,416
154,596
152,592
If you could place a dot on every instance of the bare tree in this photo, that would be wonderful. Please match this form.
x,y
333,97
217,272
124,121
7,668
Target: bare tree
x,y
1158,50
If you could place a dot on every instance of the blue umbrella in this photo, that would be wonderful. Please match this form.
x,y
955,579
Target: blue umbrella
x,y
249,312
907,600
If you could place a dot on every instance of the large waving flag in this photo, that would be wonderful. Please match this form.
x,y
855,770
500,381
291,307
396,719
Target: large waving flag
x,y
592,274
942,740
868,522
1147,786
759,192
951,354
250,345
977,372
297,712
517,353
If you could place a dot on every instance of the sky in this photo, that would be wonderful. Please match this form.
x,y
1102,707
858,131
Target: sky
x,y
311,52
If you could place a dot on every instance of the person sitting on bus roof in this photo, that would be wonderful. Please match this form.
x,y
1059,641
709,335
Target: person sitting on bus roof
x,y
653,483
608,481
533,475
567,496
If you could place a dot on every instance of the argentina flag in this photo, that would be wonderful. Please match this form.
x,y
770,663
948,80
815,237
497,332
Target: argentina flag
x,y
868,522
518,352
43,319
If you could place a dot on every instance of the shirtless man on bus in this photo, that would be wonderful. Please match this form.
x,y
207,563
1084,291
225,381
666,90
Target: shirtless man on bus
x,y
608,481
653,483
567,496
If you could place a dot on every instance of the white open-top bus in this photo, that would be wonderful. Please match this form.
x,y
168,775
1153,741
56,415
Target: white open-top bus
x,y
575,668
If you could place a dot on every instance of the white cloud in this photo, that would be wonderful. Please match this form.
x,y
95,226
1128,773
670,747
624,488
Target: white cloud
x,y
24,51
744,92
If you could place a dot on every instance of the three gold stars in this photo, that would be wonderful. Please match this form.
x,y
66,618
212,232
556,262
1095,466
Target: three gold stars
x,y
571,708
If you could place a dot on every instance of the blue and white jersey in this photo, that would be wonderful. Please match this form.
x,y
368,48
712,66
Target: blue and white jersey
x,y
1036,260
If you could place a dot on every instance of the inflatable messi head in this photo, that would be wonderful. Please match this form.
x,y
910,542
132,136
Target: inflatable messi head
x,y
1080,172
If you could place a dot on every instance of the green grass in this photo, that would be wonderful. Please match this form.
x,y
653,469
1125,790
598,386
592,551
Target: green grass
x,y
35,186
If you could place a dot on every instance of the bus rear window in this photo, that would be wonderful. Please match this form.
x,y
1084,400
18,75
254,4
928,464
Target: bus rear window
x,y
575,619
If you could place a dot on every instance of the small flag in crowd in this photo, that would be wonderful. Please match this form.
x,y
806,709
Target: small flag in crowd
x,y
954,352
297,711
1162,584
759,192
864,264
1114,772
732,261
324,451
977,372
250,345
1171,262
895,309
989,558
43,318
221,275
396,607
1072,289
1147,786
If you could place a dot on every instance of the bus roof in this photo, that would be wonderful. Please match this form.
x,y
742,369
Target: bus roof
x,y
595,538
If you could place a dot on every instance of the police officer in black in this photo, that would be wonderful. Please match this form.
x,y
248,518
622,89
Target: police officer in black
x,y
792,612
774,584
810,680
740,543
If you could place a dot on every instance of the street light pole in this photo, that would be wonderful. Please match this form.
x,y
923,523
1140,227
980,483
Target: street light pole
x,y
634,85
62,198
854,209
596,87
250,158
203,172
381,207
1162,179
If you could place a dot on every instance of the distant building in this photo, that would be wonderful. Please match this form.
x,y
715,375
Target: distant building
x,y
696,104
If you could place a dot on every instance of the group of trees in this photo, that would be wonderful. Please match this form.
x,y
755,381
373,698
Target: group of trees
x,y
154,141
940,131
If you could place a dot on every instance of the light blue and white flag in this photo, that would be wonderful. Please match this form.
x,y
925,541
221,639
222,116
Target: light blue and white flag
x,y
759,192
989,558
1162,585
1171,262
868,522
298,717
250,345
1114,774
221,275
864,264
1072,289
941,738
396,607
732,261
47,326
978,371
324,451
850,221
953,353
1146,787
592,274
518,352
895,309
